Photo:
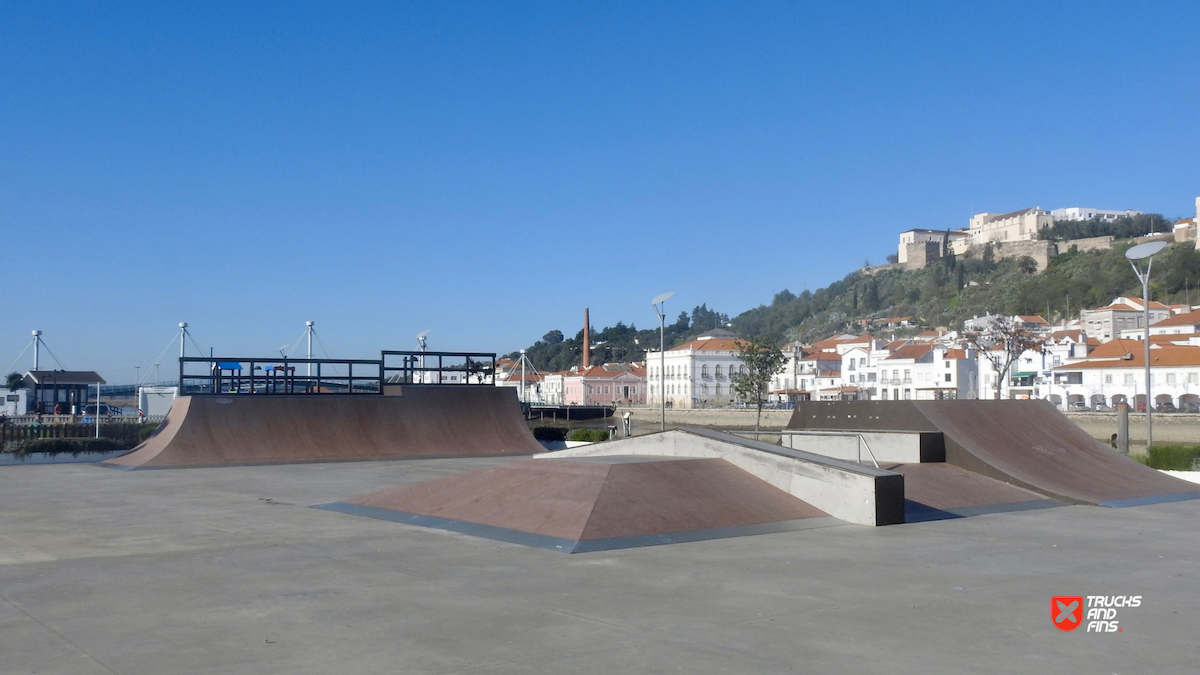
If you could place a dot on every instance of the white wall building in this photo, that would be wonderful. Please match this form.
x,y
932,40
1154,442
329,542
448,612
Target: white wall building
x,y
1085,213
13,402
924,372
1116,373
696,374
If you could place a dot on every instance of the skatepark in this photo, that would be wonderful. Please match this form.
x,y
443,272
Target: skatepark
x,y
421,529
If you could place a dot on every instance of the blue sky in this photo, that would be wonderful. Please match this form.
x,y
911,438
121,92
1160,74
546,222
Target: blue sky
x,y
487,170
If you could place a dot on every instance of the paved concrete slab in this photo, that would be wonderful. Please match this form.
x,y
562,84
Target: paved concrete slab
x,y
228,570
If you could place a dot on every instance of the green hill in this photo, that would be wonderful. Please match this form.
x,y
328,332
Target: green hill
x,y
943,294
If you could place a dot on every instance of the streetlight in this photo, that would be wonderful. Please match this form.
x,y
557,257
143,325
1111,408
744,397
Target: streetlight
x,y
1146,252
662,356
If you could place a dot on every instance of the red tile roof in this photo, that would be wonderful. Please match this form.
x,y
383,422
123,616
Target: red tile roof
x,y
823,356
1159,357
1185,319
711,344
911,352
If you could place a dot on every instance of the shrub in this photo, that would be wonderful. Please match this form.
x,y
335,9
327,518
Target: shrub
x,y
54,446
550,433
146,431
1175,457
588,435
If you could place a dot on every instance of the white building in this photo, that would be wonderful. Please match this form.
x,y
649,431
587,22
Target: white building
x,y
13,402
1179,324
1115,373
695,375
924,372
1085,213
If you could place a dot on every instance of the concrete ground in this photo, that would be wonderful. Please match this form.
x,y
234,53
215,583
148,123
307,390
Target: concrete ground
x,y
229,571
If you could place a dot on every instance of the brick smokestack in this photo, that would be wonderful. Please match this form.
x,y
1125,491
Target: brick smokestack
x,y
587,340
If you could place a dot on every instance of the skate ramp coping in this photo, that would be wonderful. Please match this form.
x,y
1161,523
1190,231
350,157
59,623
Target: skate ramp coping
x,y
885,447
856,494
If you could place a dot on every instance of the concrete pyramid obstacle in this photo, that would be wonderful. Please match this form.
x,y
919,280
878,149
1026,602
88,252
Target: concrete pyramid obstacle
x,y
596,503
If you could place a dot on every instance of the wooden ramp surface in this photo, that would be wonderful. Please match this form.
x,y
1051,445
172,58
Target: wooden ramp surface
x,y
589,504
938,491
421,422
1026,443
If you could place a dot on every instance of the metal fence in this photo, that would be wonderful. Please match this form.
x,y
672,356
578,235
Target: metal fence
x,y
127,434
258,375
451,368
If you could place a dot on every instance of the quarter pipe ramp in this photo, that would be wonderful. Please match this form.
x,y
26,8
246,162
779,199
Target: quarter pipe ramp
x,y
1029,444
421,422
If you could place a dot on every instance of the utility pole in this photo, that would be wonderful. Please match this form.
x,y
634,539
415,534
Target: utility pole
x,y
662,355
1146,252
308,330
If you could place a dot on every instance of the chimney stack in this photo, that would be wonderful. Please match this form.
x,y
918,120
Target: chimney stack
x,y
587,340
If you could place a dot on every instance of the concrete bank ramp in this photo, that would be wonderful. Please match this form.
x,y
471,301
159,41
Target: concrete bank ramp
x,y
1028,444
421,422
594,504
851,492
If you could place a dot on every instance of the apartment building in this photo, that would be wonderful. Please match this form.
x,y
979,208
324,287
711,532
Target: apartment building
x,y
1123,313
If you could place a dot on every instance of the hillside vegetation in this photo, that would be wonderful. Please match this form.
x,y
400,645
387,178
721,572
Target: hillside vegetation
x,y
941,295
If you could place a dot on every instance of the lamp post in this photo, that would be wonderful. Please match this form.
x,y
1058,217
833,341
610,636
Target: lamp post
x,y
662,356
1146,252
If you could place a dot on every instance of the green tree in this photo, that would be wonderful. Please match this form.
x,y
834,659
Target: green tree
x,y
12,381
762,361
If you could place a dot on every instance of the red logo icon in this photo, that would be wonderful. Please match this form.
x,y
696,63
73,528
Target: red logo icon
x,y
1066,612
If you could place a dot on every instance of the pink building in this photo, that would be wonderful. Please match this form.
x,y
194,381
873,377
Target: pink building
x,y
610,384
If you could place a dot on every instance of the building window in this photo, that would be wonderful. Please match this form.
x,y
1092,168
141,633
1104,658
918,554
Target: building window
x,y
1170,378
718,372
1193,378
1128,378
850,364
862,362
704,371
1108,379
947,377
